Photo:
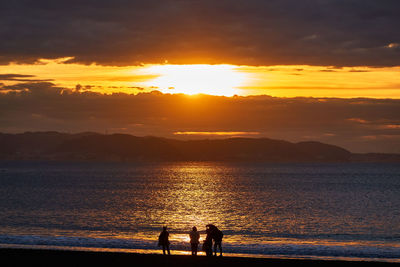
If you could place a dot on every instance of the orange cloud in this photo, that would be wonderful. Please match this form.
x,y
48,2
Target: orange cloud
x,y
218,133
358,120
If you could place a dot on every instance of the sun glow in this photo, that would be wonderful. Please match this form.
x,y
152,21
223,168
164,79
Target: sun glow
x,y
197,79
226,80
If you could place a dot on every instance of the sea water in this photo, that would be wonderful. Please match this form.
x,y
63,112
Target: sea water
x,y
323,211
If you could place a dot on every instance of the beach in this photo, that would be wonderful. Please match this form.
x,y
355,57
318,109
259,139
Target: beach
x,y
39,257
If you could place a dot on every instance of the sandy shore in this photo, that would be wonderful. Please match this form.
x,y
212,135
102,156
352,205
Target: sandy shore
x,y
36,257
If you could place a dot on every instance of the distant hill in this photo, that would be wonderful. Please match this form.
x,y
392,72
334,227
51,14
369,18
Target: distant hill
x,y
122,147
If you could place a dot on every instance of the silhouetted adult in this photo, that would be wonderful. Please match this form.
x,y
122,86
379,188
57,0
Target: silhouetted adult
x,y
194,240
207,243
216,235
163,240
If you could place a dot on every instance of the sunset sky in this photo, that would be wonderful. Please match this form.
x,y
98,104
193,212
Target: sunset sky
x,y
324,70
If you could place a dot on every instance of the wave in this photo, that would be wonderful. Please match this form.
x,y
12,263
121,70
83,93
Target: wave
x,y
285,249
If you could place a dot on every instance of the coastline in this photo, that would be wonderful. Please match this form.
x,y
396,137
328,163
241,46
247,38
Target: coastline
x,y
48,257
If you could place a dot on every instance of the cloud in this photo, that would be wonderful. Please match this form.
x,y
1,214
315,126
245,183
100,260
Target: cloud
x,y
393,45
44,106
216,134
20,78
357,120
14,76
256,32
35,88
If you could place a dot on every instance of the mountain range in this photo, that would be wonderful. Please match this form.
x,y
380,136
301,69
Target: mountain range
x,y
123,147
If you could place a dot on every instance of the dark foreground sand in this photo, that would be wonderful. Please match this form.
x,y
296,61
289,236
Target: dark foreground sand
x,y
33,257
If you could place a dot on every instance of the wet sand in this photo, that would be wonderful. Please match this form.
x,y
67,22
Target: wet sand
x,y
38,257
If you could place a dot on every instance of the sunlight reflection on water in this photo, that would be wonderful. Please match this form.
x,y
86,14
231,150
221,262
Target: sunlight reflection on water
x,y
193,196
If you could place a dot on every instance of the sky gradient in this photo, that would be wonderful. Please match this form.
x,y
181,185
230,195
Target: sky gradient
x,y
324,70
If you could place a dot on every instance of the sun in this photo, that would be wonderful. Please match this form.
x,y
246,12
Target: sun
x,y
196,79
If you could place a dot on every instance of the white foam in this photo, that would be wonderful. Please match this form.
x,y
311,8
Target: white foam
x,y
280,250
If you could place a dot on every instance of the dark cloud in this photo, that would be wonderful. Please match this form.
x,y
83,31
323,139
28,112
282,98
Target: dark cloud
x,y
36,88
359,71
11,76
328,70
20,78
255,32
361,125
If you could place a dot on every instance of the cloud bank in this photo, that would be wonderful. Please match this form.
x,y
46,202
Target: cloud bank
x,y
256,32
361,125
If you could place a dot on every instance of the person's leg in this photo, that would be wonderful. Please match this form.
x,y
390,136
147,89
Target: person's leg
x,y
163,249
220,248
194,249
215,248
169,253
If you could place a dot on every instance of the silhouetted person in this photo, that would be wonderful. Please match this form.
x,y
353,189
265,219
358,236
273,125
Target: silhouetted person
x,y
216,235
194,240
163,240
207,243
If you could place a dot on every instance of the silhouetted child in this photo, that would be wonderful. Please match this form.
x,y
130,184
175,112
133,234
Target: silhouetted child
x,y
194,240
163,240
207,243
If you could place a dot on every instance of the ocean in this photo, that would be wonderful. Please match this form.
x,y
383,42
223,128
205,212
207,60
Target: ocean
x,y
319,211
